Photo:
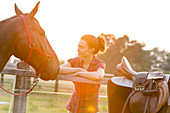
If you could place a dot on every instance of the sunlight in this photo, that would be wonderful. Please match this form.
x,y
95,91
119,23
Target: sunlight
x,y
91,109
66,21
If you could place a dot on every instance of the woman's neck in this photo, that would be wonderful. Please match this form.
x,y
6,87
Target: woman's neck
x,y
88,59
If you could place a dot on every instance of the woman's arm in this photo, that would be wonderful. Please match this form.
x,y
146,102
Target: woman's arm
x,y
67,69
95,75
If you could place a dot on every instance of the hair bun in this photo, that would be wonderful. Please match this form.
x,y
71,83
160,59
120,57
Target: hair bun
x,y
93,42
101,44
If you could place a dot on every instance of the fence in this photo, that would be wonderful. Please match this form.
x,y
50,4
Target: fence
x,y
23,81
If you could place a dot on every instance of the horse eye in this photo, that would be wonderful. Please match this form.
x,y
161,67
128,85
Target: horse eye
x,y
38,28
42,32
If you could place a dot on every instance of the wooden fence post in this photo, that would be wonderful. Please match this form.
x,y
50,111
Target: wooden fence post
x,y
2,79
56,86
22,85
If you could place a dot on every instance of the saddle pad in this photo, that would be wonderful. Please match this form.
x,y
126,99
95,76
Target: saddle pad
x,y
167,77
122,81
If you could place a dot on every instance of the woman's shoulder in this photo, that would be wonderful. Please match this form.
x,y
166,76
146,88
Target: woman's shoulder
x,y
99,60
74,59
99,63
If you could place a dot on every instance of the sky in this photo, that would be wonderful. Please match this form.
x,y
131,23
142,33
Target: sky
x,y
65,21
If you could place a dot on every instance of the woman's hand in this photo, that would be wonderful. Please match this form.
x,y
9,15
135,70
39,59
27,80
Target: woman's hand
x,y
82,70
70,70
75,74
95,75
79,72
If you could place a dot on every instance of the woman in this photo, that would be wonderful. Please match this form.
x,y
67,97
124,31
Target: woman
x,y
85,96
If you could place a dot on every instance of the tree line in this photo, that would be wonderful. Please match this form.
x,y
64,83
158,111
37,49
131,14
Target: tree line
x,y
139,58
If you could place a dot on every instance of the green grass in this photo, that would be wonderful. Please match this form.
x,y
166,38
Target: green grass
x,y
43,103
47,103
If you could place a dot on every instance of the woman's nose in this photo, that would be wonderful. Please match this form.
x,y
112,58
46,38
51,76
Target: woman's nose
x,y
78,49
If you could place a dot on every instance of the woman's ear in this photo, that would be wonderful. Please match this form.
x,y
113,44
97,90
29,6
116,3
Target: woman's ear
x,y
92,50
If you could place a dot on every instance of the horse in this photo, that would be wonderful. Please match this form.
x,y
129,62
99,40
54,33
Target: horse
x,y
125,96
22,36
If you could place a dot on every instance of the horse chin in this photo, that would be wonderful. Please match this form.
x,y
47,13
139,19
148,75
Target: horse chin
x,y
48,76
44,77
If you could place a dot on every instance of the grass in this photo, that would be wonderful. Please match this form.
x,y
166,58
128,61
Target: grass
x,y
47,103
43,103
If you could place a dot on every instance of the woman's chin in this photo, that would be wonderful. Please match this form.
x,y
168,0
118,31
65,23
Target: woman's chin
x,y
79,55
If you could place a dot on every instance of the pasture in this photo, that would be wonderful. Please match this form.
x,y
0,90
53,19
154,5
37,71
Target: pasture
x,y
43,99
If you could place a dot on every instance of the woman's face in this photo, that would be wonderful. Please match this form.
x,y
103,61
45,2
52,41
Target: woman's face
x,y
83,50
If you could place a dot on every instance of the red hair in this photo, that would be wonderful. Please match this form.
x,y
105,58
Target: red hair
x,y
97,43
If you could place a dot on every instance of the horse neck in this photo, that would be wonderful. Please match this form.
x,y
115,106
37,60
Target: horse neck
x,y
7,35
4,59
5,51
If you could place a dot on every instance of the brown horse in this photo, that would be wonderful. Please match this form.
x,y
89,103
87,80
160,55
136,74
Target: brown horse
x,y
23,37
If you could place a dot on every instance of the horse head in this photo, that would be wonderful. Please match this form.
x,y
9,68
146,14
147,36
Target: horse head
x,y
32,45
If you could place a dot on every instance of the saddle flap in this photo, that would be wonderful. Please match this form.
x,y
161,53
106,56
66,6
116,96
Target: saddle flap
x,y
163,94
139,102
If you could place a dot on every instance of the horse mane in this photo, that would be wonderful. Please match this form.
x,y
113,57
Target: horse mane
x,y
6,20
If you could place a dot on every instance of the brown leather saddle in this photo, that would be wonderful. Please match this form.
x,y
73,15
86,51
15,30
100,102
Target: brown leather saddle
x,y
149,92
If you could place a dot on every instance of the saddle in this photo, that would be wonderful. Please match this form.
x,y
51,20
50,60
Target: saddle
x,y
149,89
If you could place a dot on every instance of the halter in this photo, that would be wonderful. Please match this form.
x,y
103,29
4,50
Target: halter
x,y
32,47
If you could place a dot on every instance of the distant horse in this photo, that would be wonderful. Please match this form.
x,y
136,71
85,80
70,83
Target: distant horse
x,y
23,37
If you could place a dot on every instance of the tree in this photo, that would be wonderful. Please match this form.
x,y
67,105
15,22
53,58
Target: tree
x,y
117,48
140,59
112,56
165,65
158,59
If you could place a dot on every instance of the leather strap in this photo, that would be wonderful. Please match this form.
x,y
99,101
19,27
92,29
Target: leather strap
x,y
127,100
20,94
147,100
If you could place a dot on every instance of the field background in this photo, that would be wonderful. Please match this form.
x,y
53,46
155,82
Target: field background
x,y
43,99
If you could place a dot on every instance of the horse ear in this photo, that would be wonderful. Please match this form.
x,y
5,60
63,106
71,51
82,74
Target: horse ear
x,y
34,11
18,11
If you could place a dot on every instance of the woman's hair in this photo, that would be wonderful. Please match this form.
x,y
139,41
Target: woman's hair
x,y
97,43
